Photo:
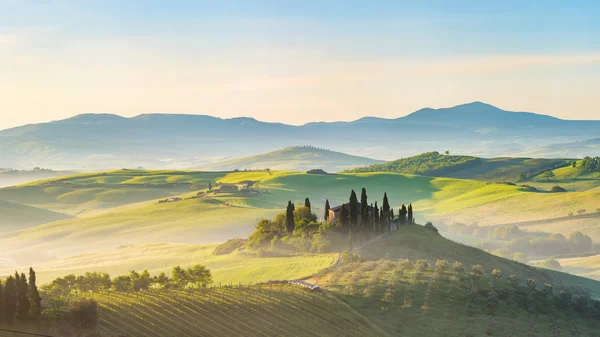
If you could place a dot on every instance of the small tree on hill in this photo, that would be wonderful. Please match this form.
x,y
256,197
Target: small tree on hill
x,y
289,217
344,217
22,298
403,215
10,299
353,209
385,208
549,175
327,208
35,301
307,203
364,208
376,219
411,219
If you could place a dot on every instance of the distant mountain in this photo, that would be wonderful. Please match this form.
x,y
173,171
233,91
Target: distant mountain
x,y
297,158
94,141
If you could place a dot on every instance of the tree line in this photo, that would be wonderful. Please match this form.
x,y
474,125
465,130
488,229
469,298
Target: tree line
x,y
196,276
20,299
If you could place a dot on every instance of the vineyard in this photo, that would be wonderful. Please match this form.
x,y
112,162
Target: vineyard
x,y
274,310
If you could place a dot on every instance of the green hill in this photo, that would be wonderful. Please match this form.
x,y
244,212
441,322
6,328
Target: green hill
x,y
392,293
17,216
297,158
467,167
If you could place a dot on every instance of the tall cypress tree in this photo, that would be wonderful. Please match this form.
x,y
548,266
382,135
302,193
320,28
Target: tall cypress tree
x,y
411,219
376,217
344,217
35,301
307,203
364,208
403,214
22,298
10,300
327,208
289,217
353,209
385,219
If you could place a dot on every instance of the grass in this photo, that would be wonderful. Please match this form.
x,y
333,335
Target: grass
x,y
18,216
294,158
253,311
161,257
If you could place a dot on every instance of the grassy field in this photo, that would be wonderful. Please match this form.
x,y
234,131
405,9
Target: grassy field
x,y
372,298
253,311
161,257
293,158
16,216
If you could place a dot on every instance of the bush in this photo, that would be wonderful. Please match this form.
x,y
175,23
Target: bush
x,y
430,226
550,264
349,257
558,189
83,313
421,265
229,247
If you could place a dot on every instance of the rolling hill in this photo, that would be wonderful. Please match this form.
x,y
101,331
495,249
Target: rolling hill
x,y
467,167
95,141
18,216
379,297
297,158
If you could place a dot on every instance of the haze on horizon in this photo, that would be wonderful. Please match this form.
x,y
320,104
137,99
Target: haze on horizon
x,y
295,62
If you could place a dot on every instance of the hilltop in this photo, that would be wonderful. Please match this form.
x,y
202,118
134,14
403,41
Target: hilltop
x,y
296,158
95,141
467,167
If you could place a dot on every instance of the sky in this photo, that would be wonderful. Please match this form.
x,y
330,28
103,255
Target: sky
x,y
296,61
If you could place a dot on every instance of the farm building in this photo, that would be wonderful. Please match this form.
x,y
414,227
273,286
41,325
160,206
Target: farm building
x,y
334,212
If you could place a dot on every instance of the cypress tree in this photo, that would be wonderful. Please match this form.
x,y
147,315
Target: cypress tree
x,y
373,220
411,219
289,217
327,208
353,209
22,298
385,219
403,215
35,301
344,217
307,203
364,208
376,217
10,300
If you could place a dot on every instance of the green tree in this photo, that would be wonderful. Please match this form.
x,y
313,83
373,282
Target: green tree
x,y
344,217
289,217
10,299
385,208
35,300
548,175
327,208
179,276
200,275
411,219
376,219
364,208
22,297
307,203
353,200
403,215
209,186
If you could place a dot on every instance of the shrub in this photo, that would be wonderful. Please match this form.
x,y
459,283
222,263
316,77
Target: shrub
x,y
421,265
478,270
430,226
229,247
558,189
83,313
550,264
581,211
316,171
349,257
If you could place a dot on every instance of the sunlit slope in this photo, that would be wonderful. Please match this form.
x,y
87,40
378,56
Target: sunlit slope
x,y
14,216
294,158
507,169
161,257
254,311
417,242
191,221
570,178
93,193
584,266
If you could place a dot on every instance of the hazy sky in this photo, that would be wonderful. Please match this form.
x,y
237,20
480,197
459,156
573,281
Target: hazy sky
x,y
296,61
